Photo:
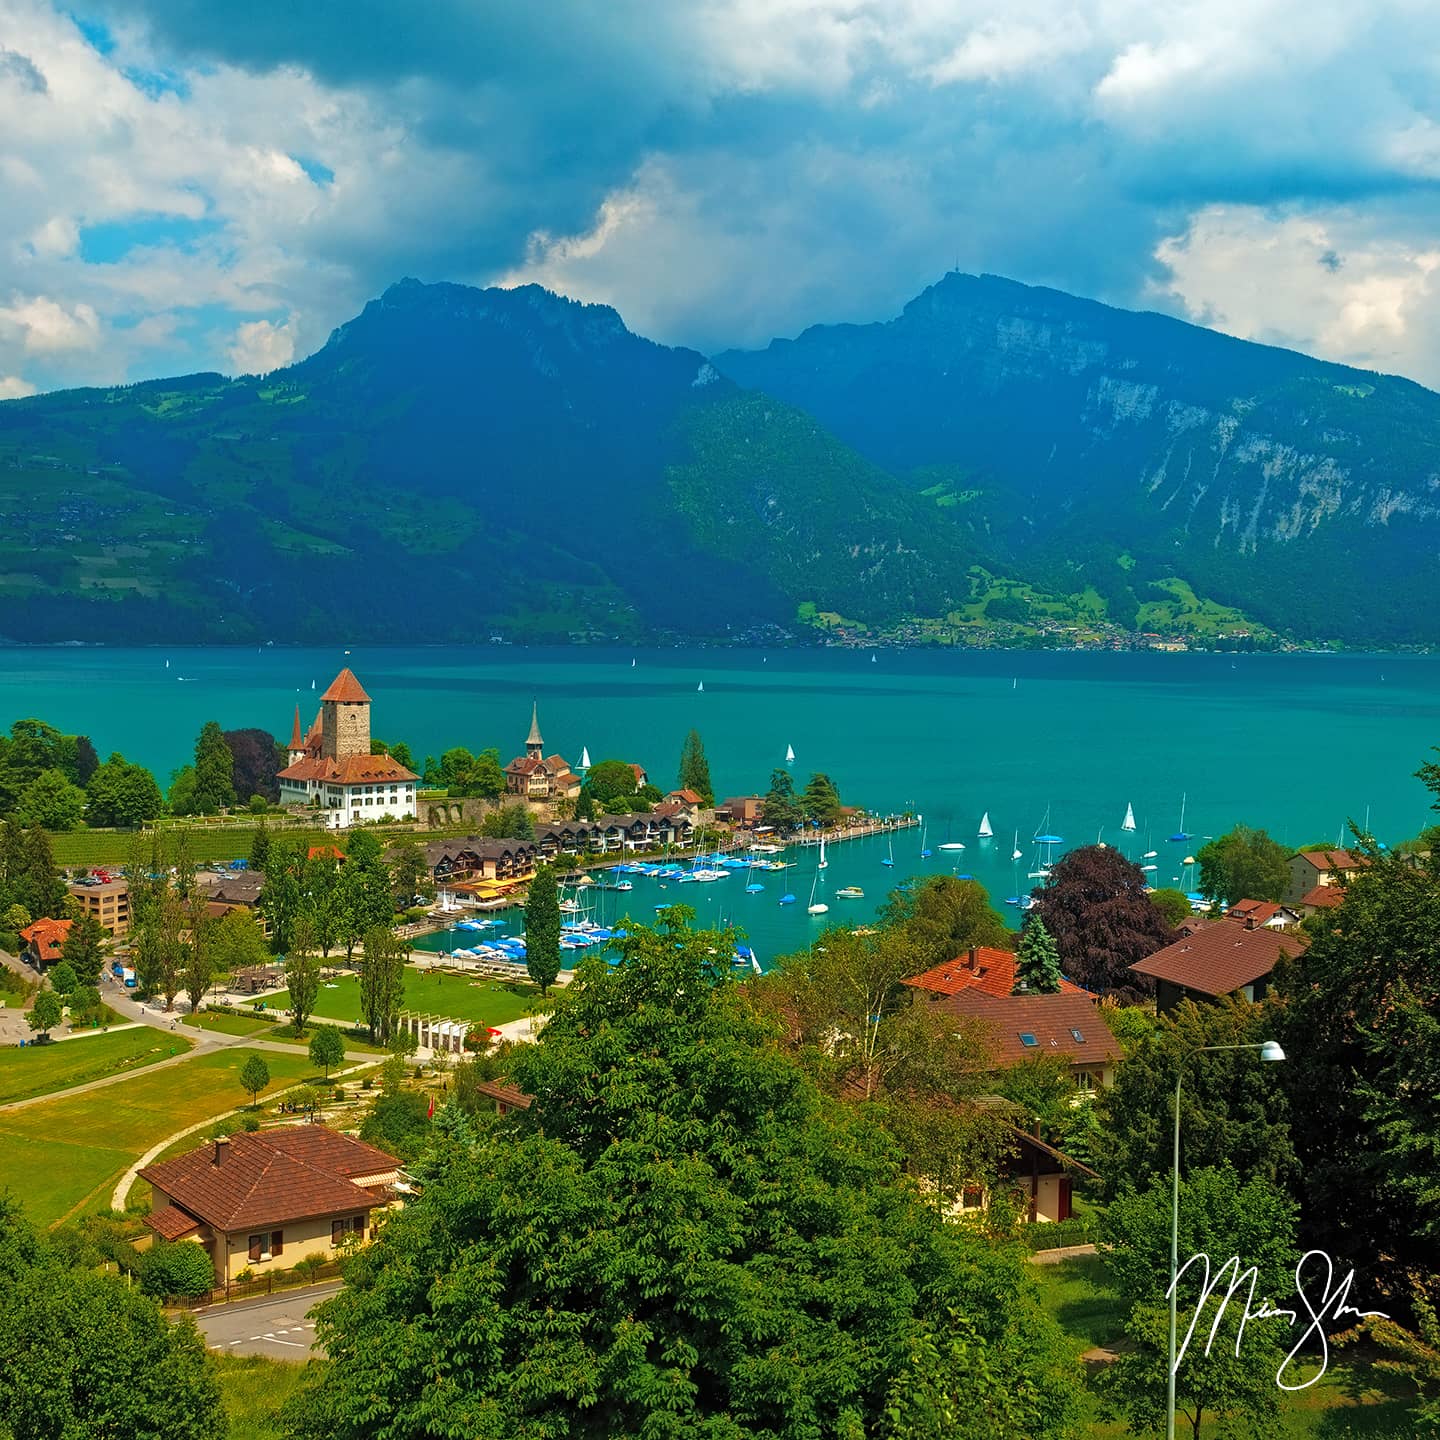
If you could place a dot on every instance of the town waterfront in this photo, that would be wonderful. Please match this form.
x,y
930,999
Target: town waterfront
x,y
1297,743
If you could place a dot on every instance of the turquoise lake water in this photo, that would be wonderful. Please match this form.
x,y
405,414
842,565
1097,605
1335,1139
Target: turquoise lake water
x,y
1296,743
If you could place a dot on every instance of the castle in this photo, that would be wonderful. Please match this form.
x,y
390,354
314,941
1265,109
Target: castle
x,y
332,768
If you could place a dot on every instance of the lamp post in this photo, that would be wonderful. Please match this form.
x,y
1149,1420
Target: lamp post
x,y
1270,1051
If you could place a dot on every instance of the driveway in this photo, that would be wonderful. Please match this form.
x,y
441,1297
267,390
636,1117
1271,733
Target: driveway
x,y
276,1326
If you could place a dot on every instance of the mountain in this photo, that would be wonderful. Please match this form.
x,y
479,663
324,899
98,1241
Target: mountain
x,y
1107,449
996,461
452,463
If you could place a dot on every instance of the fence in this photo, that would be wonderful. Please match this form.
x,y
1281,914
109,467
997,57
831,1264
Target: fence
x,y
267,1284
1052,1235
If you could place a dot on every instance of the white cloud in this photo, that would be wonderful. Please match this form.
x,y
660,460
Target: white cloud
x,y
44,325
12,387
260,347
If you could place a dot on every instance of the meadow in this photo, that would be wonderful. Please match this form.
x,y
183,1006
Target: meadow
x,y
43,1069
430,992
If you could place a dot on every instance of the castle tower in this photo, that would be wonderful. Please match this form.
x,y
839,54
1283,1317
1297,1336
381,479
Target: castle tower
x,y
344,718
534,746
297,741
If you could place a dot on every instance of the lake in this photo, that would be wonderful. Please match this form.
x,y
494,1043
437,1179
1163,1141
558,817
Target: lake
x,y
1296,743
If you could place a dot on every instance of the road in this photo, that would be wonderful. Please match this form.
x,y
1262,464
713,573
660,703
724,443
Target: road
x,y
275,1326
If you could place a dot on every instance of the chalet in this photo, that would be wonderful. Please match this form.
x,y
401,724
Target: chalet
x,y
1223,958
107,901
263,1201
1042,1174
650,831
1322,897
684,802
979,968
45,941
332,770
537,776
506,1098
1019,1027
472,857
1312,868
740,810
1264,912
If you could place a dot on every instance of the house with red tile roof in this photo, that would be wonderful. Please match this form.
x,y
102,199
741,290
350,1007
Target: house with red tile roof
x,y
45,941
1226,957
1310,868
1322,897
1264,912
332,770
981,967
538,776
263,1201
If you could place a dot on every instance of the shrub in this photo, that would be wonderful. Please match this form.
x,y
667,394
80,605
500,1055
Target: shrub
x,y
250,1122
178,1269
368,1083
306,1269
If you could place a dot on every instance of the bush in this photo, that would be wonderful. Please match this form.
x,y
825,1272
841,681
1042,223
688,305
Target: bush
x,y
1054,1235
309,1267
368,1083
250,1122
179,1269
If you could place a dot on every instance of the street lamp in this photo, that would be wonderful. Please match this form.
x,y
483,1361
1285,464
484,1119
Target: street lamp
x,y
1269,1051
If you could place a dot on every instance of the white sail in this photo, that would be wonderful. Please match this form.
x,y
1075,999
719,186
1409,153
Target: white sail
x,y
1129,821
700,686
823,861
985,831
789,754
584,758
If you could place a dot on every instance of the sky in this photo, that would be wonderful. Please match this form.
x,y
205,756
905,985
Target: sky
x,y
193,186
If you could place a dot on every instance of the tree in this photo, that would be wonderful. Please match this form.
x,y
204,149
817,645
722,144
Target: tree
x,y
455,766
1037,961
85,1357
509,822
695,768
944,916
821,800
31,875
63,978
1246,864
1102,921
86,760
410,873
254,1076
382,982
302,979
171,1269
781,809
122,794
85,1004
44,1015
612,784
327,1048
1234,1109
181,797
256,759
83,950
198,967
398,1122
542,929
214,770
784,1302
238,943
1173,905
52,801
259,848
322,901
363,897
1356,1015
281,896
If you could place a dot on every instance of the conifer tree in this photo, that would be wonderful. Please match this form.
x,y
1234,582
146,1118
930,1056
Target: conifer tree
x,y
542,929
1037,960
214,770
695,768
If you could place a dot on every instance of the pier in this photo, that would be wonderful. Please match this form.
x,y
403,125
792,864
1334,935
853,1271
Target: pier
x,y
861,831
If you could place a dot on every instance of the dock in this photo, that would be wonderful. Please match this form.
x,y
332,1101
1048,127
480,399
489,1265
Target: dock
x,y
859,832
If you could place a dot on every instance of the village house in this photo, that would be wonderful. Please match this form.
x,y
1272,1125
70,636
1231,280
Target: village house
x,y
980,968
332,770
473,857
537,776
45,941
742,811
1322,897
263,1201
1311,869
1266,913
107,901
227,890
1041,1174
1226,957
686,803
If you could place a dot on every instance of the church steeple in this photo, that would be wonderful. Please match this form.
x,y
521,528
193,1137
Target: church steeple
x,y
297,740
535,746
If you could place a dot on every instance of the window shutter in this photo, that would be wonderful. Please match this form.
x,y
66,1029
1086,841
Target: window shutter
x,y
277,1242
337,1230
256,1244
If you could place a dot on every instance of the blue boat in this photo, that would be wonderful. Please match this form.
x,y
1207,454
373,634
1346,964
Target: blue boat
x,y
787,899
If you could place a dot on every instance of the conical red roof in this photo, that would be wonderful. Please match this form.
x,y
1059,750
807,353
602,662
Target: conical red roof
x,y
347,690
297,741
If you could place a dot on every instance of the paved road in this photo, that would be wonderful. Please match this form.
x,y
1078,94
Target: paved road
x,y
275,1326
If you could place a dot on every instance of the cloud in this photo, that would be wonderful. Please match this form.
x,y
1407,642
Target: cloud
x,y
44,325
12,387
260,347
721,171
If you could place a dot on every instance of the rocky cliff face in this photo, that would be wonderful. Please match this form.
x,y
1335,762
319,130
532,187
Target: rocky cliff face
x,y
1282,484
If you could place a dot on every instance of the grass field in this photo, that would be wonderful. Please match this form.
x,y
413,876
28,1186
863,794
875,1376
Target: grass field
x,y
1352,1399
458,997
43,1069
228,1024
63,1156
254,1389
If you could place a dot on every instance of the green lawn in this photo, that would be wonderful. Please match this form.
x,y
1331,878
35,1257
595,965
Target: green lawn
x,y
431,992
1353,1399
254,1389
228,1024
64,1155
43,1069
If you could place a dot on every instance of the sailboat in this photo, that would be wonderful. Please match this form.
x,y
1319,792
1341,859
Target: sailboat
x,y
823,861
584,757
1180,837
752,885
167,664
789,754
890,858
1016,852
985,831
872,657
924,848
632,662
816,907
700,686
1128,823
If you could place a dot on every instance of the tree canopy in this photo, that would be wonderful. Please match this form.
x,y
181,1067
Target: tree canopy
x,y
943,915
1244,864
123,794
214,770
1037,959
542,929
695,768
682,1236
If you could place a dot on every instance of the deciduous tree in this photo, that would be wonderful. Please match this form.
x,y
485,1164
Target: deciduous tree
x,y
542,929
238,943
409,873
944,916
45,1013
382,982
256,759
1244,864
302,977
123,794
62,978
327,1048
254,1075
52,801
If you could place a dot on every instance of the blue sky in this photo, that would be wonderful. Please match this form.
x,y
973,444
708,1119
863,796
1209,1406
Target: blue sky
x,y
192,186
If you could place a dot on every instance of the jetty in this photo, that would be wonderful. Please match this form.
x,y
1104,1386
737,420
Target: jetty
x,y
861,831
